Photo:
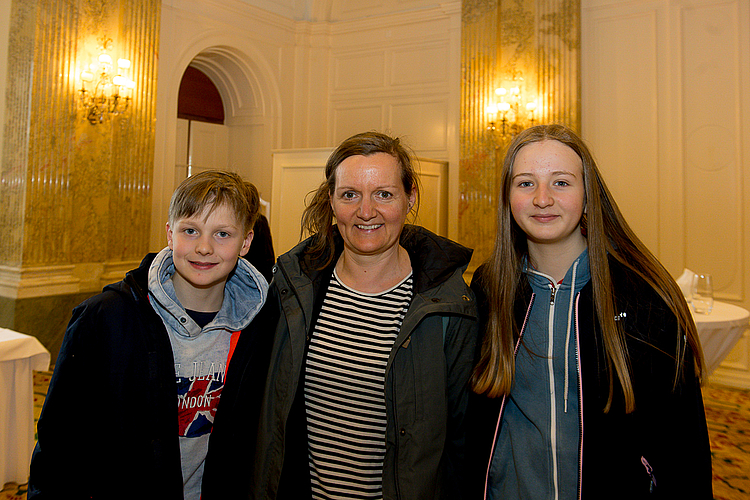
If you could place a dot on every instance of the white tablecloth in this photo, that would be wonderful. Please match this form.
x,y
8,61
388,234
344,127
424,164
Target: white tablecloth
x,y
720,331
19,355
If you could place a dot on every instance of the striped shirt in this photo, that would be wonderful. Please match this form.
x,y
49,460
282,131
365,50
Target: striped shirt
x,y
344,388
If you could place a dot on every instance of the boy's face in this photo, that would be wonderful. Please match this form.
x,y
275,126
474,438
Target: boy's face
x,y
206,248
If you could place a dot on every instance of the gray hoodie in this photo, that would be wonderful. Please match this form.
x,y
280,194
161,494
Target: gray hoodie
x,y
201,355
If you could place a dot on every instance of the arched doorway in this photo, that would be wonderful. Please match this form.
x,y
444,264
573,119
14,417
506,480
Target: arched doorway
x,y
250,98
202,138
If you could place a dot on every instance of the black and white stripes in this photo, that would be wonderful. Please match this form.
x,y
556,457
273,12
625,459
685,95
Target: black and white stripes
x,y
344,389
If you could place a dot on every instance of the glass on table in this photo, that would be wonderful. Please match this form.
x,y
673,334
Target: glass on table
x,y
702,293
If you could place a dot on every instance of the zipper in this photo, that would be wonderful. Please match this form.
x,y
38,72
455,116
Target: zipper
x,y
580,403
398,437
502,404
552,391
650,472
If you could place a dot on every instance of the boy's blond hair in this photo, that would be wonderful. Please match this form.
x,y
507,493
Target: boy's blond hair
x,y
214,188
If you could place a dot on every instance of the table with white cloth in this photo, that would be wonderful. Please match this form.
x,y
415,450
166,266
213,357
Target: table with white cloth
x,y
19,355
719,331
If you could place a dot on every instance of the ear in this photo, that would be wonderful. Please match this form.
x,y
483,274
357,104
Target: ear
x,y
170,243
412,197
246,243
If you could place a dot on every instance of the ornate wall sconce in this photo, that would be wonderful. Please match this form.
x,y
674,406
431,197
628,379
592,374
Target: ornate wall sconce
x,y
513,117
110,93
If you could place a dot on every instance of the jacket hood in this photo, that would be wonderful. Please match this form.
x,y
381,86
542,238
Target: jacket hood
x,y
135,282
434,258
244,293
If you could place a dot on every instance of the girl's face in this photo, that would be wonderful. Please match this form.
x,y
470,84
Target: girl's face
x,y
547,194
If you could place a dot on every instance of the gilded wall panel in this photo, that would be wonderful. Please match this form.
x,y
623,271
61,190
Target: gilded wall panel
x,y
75,192
477,161
529,45
14,165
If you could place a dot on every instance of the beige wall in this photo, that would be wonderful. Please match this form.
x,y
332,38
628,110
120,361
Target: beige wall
x,y
665,89
311,80
292,75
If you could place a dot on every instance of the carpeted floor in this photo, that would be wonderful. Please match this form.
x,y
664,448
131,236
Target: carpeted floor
x,y
727,413
728,417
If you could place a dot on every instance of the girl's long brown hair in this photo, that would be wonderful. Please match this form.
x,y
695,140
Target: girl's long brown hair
x,y
607,233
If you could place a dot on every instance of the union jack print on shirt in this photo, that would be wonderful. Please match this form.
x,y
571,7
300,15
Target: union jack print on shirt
x,y
197,399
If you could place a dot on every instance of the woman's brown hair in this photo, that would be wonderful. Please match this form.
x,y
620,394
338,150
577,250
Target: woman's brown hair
x,y
317,219
607,233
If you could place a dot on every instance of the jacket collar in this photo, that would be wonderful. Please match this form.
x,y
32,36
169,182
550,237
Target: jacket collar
x,y
244,293
434,258
137,279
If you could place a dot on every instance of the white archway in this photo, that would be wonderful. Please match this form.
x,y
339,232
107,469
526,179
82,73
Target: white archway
x,y
252,102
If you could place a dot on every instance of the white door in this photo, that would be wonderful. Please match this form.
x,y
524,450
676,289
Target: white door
x,y
200,146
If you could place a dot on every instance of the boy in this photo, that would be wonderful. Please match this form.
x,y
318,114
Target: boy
x,y
134,393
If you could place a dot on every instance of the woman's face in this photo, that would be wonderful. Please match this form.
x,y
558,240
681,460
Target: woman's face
x,y
370,203
547,194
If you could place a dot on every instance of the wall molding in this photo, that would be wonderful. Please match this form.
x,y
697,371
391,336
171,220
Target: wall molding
x,y
45,281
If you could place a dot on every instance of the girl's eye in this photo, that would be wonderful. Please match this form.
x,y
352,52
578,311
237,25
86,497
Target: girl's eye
x,y
524,184
562,183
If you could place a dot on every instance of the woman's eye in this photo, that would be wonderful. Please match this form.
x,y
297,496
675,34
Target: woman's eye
x,y
348,195
385,195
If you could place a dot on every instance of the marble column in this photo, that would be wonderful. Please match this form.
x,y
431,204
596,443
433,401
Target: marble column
x,y
530,44
74,197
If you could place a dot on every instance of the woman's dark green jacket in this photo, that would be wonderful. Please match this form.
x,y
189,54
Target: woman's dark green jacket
x,y
259,447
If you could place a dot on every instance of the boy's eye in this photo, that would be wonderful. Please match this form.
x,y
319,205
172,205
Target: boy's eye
x,y
190,231
223,234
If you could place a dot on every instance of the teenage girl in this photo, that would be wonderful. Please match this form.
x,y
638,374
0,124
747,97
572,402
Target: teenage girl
x,y
588,380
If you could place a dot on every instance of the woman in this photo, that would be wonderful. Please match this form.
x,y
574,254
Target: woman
x,y
590,368
373,347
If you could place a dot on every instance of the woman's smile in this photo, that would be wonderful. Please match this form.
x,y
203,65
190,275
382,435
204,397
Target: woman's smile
x,y
370,203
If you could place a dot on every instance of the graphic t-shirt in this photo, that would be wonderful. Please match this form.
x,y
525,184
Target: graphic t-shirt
x,y
200,367
201,344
